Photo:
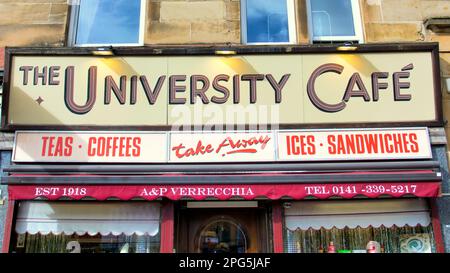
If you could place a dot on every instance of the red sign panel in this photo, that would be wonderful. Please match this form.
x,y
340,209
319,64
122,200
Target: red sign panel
x,y
224,192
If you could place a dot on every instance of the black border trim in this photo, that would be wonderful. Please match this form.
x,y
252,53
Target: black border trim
x,y
290,178
201,50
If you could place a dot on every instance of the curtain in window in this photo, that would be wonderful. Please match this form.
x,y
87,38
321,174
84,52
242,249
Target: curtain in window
x,y
87,227
313,241
310,226
52,243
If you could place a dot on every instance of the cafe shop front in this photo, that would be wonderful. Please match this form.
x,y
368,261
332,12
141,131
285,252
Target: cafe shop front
x,y
271,149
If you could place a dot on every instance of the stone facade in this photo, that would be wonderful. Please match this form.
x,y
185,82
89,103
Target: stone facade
x,y
402,20
33,22
191,22
45,23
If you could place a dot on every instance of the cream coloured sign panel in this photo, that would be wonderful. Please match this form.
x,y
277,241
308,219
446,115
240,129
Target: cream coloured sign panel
x,y
232,146
222,147
353,144
89,147
207,90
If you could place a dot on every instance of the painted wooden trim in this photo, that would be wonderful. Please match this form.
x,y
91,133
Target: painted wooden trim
x,y
2,58
222,178
277,228
436,224
167,227
8,226
393,165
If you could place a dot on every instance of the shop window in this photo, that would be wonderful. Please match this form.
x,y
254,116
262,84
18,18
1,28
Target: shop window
x,y
268,22
390,226
334,21
87,227
107,22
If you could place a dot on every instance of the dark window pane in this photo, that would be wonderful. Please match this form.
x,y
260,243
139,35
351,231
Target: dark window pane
x,y
108,22
332,18
223,237
267,21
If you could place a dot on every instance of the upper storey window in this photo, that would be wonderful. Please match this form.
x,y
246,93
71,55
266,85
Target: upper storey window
x,y
268,22
107,22
334,20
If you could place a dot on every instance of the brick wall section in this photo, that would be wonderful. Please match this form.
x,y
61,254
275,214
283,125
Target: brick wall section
x,y
33,22
191,22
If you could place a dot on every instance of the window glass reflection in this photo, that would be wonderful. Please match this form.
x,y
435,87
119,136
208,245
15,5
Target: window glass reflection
x,y
223,237
108,22
332,18
267,21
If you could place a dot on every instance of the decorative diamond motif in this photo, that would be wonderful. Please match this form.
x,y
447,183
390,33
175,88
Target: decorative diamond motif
x,y
39,100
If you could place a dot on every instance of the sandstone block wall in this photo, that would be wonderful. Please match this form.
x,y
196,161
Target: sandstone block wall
x,y
193,22
44,22
402,20
33,22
